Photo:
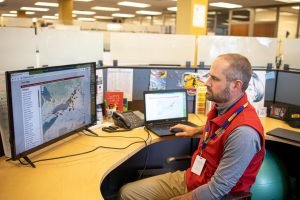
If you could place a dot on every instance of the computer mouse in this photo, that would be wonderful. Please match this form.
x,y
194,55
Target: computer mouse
x,y
176,130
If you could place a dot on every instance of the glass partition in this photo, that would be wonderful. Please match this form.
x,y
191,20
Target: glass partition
x,y
265,22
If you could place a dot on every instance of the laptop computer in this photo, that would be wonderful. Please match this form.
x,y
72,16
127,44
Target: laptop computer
x,y
164,109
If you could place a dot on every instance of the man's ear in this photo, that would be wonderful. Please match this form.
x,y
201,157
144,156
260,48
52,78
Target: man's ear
x,y
237,85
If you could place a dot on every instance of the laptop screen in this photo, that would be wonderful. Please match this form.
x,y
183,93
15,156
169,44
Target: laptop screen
x,y
165,105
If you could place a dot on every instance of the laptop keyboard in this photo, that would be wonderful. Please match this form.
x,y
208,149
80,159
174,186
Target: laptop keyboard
x,y
170,124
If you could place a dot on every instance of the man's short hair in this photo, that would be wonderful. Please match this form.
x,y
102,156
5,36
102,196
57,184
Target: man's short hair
x,y
239,68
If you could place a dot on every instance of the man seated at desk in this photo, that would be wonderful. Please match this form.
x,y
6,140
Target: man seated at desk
x,y
230,151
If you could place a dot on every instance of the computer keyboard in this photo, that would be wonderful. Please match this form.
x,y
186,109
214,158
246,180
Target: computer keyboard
x,y
285,134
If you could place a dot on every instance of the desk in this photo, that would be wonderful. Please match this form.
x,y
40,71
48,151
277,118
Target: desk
x,y
78,177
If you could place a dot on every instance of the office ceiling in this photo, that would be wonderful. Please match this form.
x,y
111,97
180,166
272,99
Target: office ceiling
x,y
156,5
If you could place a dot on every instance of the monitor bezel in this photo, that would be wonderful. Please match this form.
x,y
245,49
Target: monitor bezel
x,y
14,155
165,91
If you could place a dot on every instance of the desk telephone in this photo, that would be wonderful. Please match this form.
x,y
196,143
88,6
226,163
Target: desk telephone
x,y
128,119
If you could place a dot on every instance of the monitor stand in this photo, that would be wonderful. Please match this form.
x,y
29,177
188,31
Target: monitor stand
x,y
29,161
92,132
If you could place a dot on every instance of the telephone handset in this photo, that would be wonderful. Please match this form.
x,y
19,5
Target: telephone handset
x,y
128,119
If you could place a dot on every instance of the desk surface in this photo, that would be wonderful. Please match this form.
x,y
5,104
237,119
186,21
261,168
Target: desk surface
x,y
80,177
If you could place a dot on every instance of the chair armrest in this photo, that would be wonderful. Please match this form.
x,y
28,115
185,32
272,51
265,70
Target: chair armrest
x,y
237,196
177,158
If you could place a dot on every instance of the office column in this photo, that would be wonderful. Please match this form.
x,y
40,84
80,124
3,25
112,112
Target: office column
x,y
191,17
65,11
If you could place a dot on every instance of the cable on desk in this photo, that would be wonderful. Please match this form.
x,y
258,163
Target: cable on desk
x,y
118,136
104,147
147,153
82,153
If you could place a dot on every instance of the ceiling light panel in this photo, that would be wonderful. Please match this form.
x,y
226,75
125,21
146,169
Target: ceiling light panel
x,y
105,8
103,17
172,9
146,12
29,13
122,15
35,9
80,12
46,4
9,15
49,17
240,16
295,7
225,5
86,19
133,4
288,1
84,0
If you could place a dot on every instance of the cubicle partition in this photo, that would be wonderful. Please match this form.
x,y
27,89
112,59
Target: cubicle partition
x,y
291,58
174,80
141,82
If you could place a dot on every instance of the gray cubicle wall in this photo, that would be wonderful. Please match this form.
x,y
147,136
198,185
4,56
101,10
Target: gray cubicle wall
x,y
288,87
141,80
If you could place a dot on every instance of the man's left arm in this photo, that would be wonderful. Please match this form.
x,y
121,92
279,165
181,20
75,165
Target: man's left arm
x,y
240,147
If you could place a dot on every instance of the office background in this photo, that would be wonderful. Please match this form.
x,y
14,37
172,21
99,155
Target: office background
x,y
145,46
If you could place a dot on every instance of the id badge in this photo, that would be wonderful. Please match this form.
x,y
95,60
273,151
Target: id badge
x,y
198,165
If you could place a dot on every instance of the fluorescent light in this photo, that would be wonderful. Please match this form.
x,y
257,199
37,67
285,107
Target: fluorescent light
x,y
122,15
240,16
172,9
133,4
86,19
13,12
79,12
46,4
8,15
211,12
84,0
105,8
103,17
49,17
295,7
1,1
146,12
225,5
34,9
29,13
114,27
288,1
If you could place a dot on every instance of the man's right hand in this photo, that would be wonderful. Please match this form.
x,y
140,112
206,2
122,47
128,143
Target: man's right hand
x,y
187,131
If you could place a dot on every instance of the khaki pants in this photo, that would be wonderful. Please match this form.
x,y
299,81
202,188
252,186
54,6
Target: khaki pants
x,y
159,187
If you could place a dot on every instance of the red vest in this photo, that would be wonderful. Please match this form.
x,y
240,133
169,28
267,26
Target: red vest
x,y
214,150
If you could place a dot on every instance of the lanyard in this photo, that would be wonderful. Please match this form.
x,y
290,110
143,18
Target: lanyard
x,y
224,125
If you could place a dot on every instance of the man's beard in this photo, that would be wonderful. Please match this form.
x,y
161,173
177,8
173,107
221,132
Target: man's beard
x,y
221,97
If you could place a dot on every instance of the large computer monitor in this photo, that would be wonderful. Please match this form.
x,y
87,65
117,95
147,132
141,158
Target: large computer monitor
x,y
48,104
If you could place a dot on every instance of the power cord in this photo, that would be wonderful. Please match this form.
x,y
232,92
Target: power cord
x,y
90,151
147,153
118,136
